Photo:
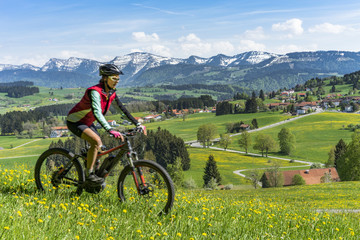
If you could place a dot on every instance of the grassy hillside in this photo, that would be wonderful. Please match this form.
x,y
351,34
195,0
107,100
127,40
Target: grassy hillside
x,y
188,129
326,211
227,162
315,134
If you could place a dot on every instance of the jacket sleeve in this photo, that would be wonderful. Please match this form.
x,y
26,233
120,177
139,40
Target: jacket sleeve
x,y
125,113
96,108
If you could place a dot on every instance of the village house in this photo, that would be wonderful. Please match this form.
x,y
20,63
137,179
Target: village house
x,y
58,131
281,105
154,117
306,105
244,127
139,119
311,176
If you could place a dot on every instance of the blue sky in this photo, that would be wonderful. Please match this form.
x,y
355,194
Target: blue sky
x,y
35,31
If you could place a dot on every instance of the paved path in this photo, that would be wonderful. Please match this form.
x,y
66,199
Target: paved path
x,y
22,146
195,143
26,143
20,156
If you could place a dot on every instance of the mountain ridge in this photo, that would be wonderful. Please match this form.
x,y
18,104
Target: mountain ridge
x,y
254,69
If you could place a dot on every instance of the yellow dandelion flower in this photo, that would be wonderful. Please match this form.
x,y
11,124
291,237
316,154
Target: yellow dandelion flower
x,y
165,234
6,228
159,223
77,237
19,213
138,231
204,234
178,234
40,220
124,211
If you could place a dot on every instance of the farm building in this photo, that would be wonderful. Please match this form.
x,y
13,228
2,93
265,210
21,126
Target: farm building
x,y
311,176
58,131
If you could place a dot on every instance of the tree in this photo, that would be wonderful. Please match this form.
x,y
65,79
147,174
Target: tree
x,y
176,172
298,180
251,105
262,95
348,164
333,89
255,176
275,176
264,143
340,148
331,159
286,141
206,133
211,171
254,123
225,140
166,148
245,141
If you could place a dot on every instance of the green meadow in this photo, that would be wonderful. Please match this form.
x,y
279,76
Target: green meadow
x,y
227,162
187,129
315,135
326,211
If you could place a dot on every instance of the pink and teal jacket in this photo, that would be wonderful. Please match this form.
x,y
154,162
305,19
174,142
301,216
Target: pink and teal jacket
x,y
94,105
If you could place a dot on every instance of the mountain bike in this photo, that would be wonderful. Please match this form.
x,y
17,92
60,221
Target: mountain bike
x,y
140,181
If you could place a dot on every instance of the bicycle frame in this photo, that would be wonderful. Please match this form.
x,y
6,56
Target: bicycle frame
x,y
131,156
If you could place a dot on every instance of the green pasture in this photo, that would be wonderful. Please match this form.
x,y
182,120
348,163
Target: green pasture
x,y
27,154
227,162
324,211
187,129
315,135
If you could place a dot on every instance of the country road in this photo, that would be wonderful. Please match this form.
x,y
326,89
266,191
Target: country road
x,y
196,144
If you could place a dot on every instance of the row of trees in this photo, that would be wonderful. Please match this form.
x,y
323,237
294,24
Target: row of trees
x,y
252,105
266,143
12,122
18,89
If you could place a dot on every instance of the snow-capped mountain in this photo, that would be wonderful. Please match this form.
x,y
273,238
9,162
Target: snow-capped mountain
x,y
140,68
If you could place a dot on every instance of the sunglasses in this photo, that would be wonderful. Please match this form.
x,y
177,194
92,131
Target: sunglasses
x,y
114,78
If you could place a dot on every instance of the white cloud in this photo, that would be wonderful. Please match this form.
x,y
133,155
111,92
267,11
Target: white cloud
x,y
327,28
68,54
142,37
295,48
224,47
192,45
190,38
292,26
249,45
160,50
257,33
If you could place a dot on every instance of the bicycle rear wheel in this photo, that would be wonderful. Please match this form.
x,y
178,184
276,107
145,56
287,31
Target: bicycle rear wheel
x,y
155,192
58,171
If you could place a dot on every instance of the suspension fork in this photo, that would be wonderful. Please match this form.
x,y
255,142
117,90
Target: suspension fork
x,y
136,172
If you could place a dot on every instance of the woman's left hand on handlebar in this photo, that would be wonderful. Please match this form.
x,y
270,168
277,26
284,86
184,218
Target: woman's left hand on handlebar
x,y
116,134
143,129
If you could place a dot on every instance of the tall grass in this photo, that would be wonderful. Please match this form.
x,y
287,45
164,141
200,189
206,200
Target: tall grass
x,y
309,212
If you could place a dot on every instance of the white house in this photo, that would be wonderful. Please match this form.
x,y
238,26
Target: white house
x,y
58,131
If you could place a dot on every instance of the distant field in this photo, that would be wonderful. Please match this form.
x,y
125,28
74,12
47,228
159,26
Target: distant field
x,y
315,135
227,162
187,129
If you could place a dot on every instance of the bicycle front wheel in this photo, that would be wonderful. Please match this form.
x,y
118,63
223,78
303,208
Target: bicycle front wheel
x,y
57,170
148,187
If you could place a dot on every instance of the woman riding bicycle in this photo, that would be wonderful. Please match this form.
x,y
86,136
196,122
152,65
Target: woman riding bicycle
x,y
93,106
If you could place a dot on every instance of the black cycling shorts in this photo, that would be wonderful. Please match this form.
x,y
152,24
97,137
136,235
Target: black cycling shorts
x,y
77,128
